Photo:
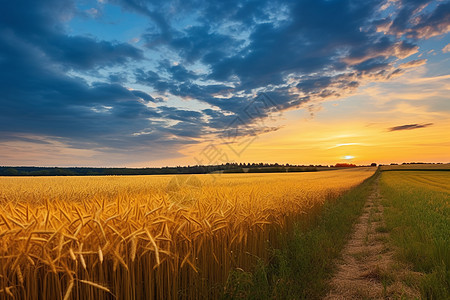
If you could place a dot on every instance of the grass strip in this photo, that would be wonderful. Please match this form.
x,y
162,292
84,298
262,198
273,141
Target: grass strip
x,y
418,220
302,267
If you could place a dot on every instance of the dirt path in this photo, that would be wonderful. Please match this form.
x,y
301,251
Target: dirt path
x,y
367,269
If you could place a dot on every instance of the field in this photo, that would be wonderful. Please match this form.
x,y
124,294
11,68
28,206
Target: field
x,y
415,167
418,218
162,237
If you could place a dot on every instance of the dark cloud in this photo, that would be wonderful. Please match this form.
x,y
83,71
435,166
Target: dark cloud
x,y
40,99
143,96
152,79
178,73
117,78
409,127
421,18
330,86
39,25
86,53
225,54
315,37
181,115
196,43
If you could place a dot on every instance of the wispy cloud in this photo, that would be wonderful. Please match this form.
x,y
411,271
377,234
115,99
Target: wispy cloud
x,y
446,49
413,63
345,144
409,127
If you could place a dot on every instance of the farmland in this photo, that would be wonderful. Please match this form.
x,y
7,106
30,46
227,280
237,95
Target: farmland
x,y
418,218
162,237
416,167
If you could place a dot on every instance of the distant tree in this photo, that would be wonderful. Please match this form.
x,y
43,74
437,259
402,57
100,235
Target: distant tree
x,y
345,165
11,172
373,164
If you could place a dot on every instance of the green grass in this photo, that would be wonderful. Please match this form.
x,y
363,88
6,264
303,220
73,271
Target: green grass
x,y
381,229
418,219
302,266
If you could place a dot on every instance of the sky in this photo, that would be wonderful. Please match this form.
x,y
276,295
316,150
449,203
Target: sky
x,y
139,83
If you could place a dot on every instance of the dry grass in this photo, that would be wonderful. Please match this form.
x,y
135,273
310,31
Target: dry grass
x,y
140,237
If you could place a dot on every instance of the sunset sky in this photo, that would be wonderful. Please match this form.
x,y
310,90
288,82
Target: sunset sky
x,y
141,83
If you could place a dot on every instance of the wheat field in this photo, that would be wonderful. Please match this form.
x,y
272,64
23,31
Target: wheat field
x,y
149,237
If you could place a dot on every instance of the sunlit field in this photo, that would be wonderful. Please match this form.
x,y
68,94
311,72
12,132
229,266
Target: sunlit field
x,y
423,180
415,167
418,217
143,237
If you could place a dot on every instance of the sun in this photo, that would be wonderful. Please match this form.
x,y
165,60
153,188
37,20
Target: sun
x,y
348,157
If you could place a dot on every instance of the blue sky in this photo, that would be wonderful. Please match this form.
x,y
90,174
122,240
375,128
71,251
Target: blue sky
x,y
140,83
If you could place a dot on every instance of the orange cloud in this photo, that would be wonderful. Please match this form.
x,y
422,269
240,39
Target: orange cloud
x,y
446,49
413,63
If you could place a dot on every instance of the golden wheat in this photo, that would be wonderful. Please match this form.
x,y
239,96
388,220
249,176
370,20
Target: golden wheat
x,y
148,237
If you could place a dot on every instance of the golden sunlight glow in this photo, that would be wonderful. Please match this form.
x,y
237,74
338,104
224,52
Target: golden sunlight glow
x,y
344,144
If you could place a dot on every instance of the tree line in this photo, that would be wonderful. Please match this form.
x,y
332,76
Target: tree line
x,y
197,169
